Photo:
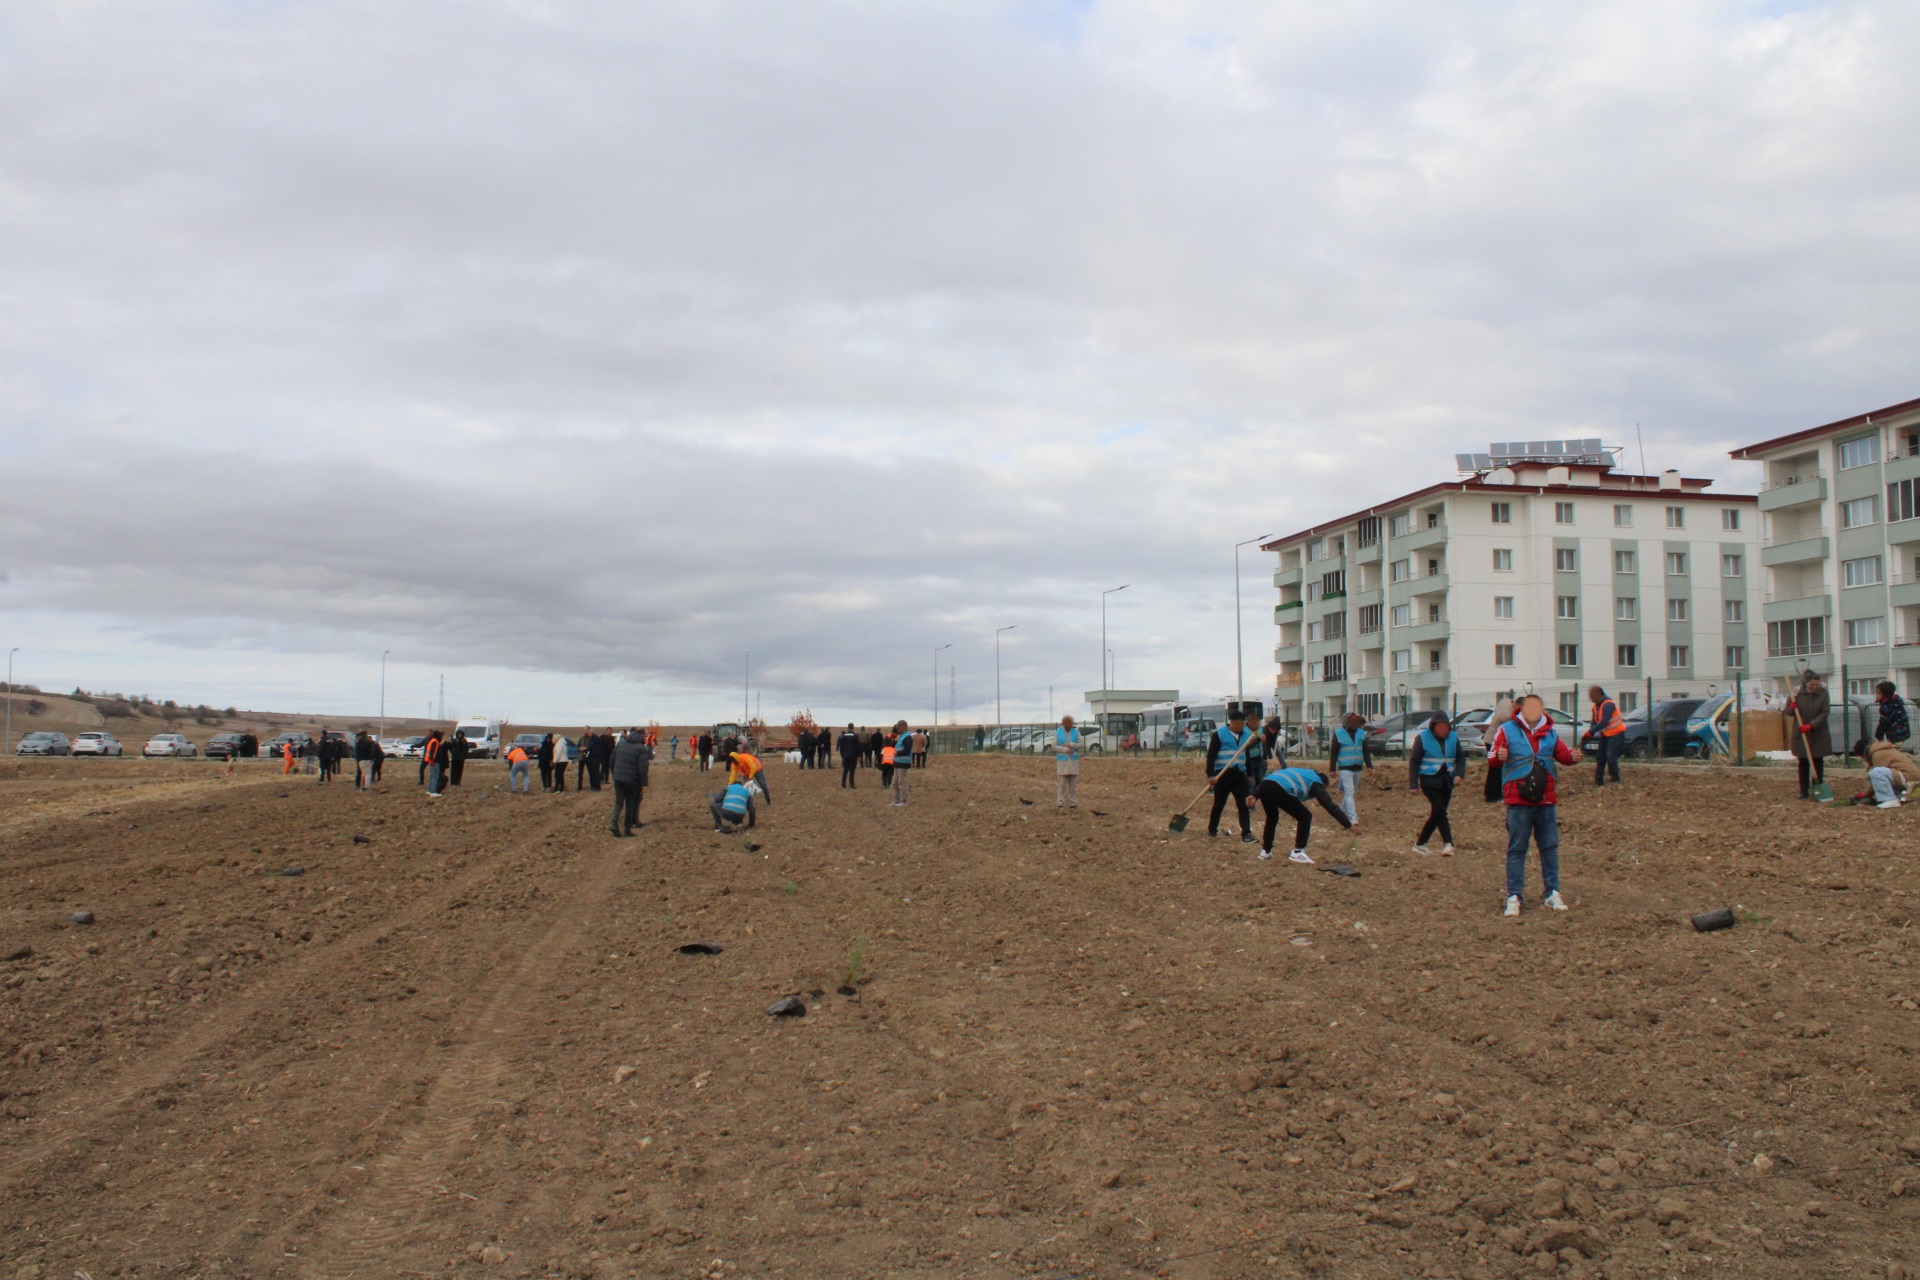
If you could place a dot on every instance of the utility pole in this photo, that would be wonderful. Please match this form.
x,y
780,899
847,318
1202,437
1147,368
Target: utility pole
x,y
1103,654
383,691
936,686
443,697
953,699
746,683
998,720
10,653
1239,671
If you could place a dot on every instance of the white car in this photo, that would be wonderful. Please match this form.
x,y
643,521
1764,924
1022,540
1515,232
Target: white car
x,y
97,744
169,744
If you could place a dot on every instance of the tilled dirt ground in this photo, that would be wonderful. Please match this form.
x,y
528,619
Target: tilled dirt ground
x,y
1077,1046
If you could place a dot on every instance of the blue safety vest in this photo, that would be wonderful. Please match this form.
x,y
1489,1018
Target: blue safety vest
x,y
903,750
1435,756
1295,781
736,800
1521,755
1066,744
1229,745
1352,747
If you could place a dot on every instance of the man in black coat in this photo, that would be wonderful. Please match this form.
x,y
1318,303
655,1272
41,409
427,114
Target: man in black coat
x,y
806,748
631,758
850,747
458,748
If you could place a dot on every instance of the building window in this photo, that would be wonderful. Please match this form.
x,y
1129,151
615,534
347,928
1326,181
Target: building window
x,y
1336,628
1797,638
1402,615
1859,512
1736,657
1367,532
1336,666
1433,613
1676,517
1315,550
1433,660
1315,633
1626,608
1676,611
1736,610
1569,705
1503,606
1903,500
1730,519
1679,657
1861,451
1502,560
1863,572
1333,584
1909,445
1623,515
1314,671
1566,606
1503,655
1433,567
1369,619
1503,513
1566,560
1627,655
1629,701
1864,632
1399,526
1676,564
1403,659
1626,562
1400,570
1569,655
1433,517
1563,513
1732,566
1313,592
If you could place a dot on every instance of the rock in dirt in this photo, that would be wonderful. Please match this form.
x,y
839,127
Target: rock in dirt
x,y
620,1074
493,1255
83,917
1708,921
787,1007
1763,1164
19,952
1669,1209
360,839
700,949
1548,1199
1909,1146
293,871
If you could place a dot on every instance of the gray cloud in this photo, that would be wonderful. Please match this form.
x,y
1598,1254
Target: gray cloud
x,y
604,339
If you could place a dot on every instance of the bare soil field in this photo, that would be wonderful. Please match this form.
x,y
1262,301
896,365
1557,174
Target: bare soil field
x,y
1075,1046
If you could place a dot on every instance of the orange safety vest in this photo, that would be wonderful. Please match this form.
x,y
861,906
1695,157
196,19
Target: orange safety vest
x,y
286,752
745,765
517,756
1612,723
886,755
432,752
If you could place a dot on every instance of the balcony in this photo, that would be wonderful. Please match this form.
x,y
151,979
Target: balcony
x,y
1429,679
1799,547
1289,680
1421,539
1422,632
1782,606
1903,590
1808,486
1812,650
1428,583
1286,611
1287,577
1289,653
1369,554
1372,640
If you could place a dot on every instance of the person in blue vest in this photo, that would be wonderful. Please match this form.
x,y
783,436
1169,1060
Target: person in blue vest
x,y
1226,772
1522,743
1286,790
1066,765
732,806
1433,765
1347,757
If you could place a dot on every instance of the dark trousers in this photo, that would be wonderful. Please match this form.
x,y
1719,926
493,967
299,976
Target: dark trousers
x,y
1276,802
886,775
1808,775
423,771
626,807
1233,782
1606,759
706,761
848,764
458,767
559,775
546,775
1438,789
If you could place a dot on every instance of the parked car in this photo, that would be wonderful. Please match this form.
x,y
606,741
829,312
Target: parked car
x,y
169,744
226,746
1564,726
44,744
1393,735
402,747
1636,743
271,747
1472,727
95,743
530,743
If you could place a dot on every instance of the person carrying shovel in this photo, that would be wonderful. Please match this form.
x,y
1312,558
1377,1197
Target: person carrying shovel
x,y
1226,772
1811,741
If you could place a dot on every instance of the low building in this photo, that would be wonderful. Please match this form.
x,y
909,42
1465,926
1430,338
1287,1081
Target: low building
x,y
1541,567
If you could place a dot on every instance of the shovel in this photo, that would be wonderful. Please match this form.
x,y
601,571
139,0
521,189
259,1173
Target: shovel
x,y
1179,822
1821,792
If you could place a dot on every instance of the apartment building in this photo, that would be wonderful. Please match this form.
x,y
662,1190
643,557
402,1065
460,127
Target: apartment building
x,y
1542,567
1841,549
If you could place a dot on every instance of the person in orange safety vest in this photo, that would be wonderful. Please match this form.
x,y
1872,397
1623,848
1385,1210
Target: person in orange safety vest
x,y
1608,727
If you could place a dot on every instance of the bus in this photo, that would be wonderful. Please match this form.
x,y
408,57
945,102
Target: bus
x,y
1192,728
1157,722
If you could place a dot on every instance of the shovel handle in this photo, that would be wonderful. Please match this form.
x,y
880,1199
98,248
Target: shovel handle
x,y
1238,752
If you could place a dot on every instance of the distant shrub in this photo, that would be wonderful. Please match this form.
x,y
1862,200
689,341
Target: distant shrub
x,y
35,707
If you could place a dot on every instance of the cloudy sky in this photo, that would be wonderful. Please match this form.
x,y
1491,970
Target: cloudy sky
x,y
574,349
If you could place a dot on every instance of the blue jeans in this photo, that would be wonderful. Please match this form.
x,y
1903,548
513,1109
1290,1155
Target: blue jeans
x,y
518,773
1606,759
1883,788
1540,823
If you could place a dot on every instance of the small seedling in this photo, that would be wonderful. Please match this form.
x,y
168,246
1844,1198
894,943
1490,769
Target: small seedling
x,y
1752,917
790,889
855,962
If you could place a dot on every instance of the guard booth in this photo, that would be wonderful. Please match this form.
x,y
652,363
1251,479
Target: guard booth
x,y
1118,713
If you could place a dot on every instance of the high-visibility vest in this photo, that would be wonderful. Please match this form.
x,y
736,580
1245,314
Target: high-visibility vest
x,y
1520,752
736,800
433,750
1612,723
886,754
1352,747
745,765
1066,744
286,752
1437,756
1295,781
1230,744
517,756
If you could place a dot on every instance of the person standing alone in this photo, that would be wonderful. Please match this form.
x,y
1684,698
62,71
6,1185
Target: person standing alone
x,y
1347,758
1528,754
1434,764
1066,765
849,757
632,758
1608,728
1811,741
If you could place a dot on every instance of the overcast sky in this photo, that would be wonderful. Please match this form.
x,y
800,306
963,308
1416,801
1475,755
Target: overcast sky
x,y
572,350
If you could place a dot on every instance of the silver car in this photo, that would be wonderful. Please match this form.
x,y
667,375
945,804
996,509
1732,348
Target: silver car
x,y
169,744
93,743
44,744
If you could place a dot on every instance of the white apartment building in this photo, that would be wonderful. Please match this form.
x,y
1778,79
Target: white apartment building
x,y
1841,549
1542,567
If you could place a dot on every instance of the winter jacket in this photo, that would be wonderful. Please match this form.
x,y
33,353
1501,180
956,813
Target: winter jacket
x,y
631,757
1886,755
1540,736
1893,726
1809,707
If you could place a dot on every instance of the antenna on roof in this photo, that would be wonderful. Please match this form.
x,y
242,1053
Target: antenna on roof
x,y
1643,448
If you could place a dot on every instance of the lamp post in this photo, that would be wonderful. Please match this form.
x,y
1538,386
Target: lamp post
x,y
1102,726
1239,674
998,722
10,654
746,683
936,694
383,691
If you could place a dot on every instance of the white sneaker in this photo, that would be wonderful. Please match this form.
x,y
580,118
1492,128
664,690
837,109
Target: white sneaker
x,y
1555,901
1421,849
1513,905
1446,850
1888,804
1266,855
1300,856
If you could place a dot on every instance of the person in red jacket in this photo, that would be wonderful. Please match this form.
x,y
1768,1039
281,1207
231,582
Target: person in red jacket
x,y
1524,742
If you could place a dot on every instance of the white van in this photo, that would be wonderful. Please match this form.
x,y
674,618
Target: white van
x,y
482,735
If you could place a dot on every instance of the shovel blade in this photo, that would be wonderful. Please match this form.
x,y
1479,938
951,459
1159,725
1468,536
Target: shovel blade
x,y
1822,792
1178,824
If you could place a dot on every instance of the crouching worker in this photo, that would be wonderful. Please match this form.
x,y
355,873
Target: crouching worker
x,y
1287,791
1890,770
731,807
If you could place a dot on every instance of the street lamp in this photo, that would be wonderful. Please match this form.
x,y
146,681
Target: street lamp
x,y
10,654
383,691
936,693
998,723
746,683
1239,676
1103,653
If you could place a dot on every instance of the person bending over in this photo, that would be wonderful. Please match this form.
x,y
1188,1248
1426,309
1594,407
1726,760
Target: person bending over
x,y
731,807
1287,791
